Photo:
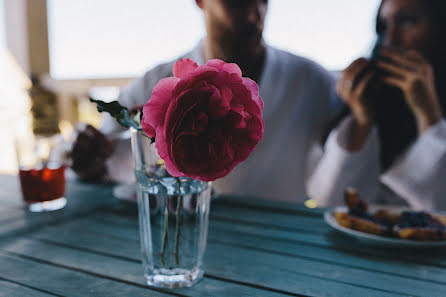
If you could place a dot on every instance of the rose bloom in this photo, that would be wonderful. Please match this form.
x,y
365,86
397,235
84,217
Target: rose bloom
x,y
205,120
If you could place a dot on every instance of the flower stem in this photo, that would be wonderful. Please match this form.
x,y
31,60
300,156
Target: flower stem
x,y
165,234
178,229
178,224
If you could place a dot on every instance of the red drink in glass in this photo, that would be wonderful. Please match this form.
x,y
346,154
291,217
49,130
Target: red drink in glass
x,y
42,171
40,185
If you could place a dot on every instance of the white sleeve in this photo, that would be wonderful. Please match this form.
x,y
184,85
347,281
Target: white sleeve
x,y
339,168
420,174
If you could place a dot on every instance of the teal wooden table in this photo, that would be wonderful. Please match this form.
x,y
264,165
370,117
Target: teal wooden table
x,y
255,248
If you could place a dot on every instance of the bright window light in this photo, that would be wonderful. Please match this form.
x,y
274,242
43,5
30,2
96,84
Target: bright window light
x,y
14,102
331,32
115,38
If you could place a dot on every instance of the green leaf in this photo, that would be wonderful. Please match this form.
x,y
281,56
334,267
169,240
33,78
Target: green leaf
x,y
122,115
119,112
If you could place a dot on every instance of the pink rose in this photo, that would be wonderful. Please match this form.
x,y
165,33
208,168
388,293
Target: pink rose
x,y
205,120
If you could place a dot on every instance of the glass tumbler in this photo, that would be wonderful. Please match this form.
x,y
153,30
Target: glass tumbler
x,y
41,162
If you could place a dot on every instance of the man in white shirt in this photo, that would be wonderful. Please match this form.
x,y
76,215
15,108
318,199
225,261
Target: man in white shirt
x,y
296,94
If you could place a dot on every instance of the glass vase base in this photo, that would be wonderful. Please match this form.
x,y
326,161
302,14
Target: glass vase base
x,y
47,205
174,278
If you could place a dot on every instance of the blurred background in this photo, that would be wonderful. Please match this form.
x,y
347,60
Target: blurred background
x,y
95,47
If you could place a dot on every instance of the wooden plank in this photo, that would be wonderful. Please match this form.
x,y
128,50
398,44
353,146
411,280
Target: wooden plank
x,y
8,289
130,271
81,199
252,267
253,228
127,214
291,277
257,267
9,214
267,206
336,241
234,203
66,282
331,240
241,202
10,194
359,260
375,263
207,287
234,217
328,238
285,221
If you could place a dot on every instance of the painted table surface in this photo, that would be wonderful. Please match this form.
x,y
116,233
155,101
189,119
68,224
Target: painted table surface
x,y
255,248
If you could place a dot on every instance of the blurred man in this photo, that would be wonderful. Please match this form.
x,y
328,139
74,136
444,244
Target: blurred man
x,y
296,93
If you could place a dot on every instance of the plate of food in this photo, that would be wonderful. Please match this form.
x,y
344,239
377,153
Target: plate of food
x,y
387,226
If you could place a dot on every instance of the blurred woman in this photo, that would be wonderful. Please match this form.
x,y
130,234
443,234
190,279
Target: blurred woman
x,y
394,138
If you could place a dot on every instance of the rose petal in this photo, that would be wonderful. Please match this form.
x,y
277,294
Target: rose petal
x,y
218,106
174,124
179,108
148,129
162,147
198,77
226,97
254,88
155,109
227,67
183,67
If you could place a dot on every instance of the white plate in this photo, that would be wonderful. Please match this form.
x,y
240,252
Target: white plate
x,y
375,239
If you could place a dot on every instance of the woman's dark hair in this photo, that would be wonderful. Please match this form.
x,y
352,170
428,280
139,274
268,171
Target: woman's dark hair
x,y
437,12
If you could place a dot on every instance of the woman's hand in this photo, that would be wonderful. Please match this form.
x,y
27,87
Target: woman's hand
x,y
411,73
353,88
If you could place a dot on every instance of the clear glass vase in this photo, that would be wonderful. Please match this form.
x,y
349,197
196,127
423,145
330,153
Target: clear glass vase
x,y
173,219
